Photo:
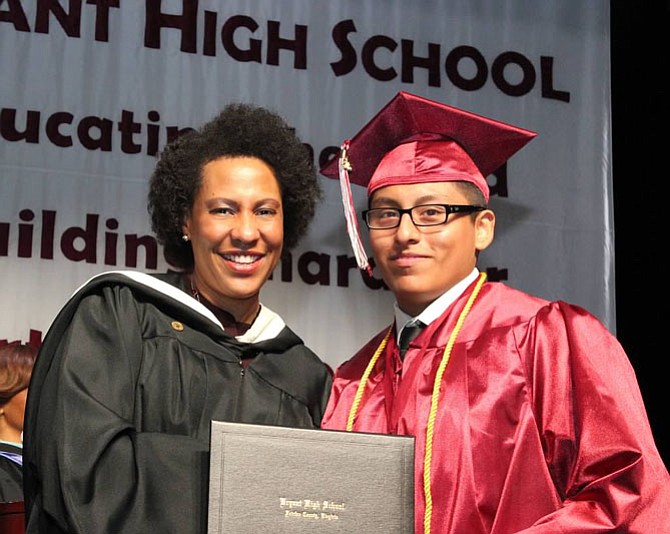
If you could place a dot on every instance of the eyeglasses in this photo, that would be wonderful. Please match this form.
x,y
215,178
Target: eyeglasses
x,y
422,215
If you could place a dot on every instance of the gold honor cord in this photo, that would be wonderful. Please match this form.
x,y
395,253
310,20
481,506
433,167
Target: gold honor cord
x,y
433,400
364,380
433,404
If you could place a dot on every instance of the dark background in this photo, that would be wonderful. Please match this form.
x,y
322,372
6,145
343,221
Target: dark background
x,y
640,55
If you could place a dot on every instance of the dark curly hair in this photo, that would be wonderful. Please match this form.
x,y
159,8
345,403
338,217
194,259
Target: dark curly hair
x,y
238,130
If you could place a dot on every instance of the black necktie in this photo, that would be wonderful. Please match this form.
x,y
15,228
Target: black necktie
x,y
407,335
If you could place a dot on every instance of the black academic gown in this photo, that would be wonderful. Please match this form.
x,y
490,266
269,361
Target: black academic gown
x,y
11,477
129,377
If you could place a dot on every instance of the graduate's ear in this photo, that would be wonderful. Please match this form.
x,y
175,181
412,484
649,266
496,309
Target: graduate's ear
x,y
485,225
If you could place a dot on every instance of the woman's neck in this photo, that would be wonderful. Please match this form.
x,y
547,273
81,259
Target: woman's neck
x,y
239,313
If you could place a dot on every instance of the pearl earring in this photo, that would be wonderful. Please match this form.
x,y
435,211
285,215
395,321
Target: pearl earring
x,y
185,238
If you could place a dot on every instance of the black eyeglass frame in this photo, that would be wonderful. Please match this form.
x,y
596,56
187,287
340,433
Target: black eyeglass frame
x,y
448,209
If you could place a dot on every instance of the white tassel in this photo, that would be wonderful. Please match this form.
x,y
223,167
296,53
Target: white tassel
x,y
350,212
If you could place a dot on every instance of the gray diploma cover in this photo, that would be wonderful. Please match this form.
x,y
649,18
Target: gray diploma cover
x,y
274,480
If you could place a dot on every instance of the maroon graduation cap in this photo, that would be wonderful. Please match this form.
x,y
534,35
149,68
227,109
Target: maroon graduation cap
x,y
416,140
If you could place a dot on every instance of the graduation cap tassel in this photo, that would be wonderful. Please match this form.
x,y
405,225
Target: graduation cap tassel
x,y
350,212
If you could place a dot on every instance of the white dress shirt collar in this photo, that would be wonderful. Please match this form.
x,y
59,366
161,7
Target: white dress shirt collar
x,y
435,308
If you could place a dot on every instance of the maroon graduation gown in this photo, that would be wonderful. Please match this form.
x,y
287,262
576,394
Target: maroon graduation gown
x,y
540,425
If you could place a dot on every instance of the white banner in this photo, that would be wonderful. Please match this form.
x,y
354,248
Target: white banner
x,y
91,91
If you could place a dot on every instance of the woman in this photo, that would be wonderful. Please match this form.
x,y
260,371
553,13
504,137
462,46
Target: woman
x,y
16,365
135,367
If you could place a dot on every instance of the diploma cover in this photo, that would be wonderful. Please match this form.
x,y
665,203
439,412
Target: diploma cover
x,y
272,480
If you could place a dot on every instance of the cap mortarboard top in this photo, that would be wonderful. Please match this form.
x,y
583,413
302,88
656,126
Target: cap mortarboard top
x,y
415,140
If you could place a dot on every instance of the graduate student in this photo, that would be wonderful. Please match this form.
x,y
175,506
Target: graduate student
x,y
16,366
526,413
136,366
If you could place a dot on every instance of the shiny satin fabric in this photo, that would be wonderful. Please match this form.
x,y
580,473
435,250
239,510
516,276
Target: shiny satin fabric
x,y
427,161
407,117
540,425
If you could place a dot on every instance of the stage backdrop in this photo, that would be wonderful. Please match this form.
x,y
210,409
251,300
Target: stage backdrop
x,y
91,91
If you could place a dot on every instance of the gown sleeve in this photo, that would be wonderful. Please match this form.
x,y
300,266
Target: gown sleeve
x,y
98,473
595,433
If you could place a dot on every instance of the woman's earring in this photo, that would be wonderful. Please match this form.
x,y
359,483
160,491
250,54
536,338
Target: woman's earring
x,y
185,238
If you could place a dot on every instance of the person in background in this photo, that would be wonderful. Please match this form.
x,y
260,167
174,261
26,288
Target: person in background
x,y
527,415
136,366
16,366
